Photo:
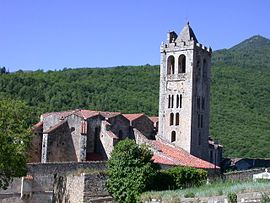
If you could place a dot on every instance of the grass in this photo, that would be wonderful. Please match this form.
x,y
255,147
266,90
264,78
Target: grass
x,y
209,190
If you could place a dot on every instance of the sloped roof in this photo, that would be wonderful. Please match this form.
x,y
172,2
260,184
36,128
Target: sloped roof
x,y
38,125
81,113
154,119
186,34
132,117
165,153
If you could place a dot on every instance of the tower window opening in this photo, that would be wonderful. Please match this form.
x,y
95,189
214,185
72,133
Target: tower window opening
x,y
171,119
198,103
182,64
177,101
199,138
201,121
203,103
180,100
173,136
169,101
177,119
172,101
204,68
198,67
170,65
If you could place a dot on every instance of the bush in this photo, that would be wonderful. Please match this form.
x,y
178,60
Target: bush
x,y
179,178
189,195
130,171
232,197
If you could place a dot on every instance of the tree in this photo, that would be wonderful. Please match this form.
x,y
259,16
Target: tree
x,y
130,171
15,119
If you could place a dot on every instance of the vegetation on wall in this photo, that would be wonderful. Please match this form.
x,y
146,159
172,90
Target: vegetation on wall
x,y
130,171
240,93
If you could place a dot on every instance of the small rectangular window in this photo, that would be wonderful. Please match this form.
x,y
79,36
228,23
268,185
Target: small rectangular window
x,y
169,101
201,121
172,101
198,103
180,100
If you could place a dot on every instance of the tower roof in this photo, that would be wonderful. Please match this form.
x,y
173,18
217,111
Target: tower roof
x,y
186,34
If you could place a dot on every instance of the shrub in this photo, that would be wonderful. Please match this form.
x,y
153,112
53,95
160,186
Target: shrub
x,y
130,171
179,178
232,197
189,195
265,198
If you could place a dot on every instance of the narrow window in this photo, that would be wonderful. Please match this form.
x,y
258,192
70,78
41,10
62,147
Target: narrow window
x,y
169,101
203,103
199,67
182,64
172,101
204,69
170,65
199,138
177,101
180,100
173,136
177,119
201,121
171,119
198,103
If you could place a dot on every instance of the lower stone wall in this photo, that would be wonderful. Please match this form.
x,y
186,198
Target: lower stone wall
x,y
81,188
243,175
42,180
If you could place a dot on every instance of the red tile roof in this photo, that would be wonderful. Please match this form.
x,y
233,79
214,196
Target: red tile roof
x,y
154,119
132,117
82,113
165,153
38,125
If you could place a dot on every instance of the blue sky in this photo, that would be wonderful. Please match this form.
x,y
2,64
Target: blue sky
x,y
53,34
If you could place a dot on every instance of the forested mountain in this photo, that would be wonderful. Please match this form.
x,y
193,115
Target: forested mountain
x,y
240,93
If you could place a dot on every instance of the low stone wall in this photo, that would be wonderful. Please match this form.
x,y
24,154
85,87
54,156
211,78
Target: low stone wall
x,y
243,175
42,180
80,188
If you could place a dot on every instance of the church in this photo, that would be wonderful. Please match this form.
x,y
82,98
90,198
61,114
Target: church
x,y
178,136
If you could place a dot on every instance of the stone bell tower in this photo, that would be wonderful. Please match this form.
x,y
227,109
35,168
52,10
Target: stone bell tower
x,y
185,92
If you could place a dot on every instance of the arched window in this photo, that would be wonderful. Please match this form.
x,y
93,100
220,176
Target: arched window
x,y
204,68
173,136
177,119
171,119
170,65
169,101
172,101
182,64
177,101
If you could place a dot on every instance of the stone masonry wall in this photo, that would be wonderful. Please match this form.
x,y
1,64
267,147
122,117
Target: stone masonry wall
x,y
43,178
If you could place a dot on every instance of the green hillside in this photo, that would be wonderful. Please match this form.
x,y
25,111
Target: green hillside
x,y
240,94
